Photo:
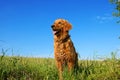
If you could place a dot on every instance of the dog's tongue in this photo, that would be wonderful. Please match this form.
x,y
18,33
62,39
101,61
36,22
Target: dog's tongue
x,y
54,32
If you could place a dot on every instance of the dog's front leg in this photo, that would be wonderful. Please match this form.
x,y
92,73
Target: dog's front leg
x,y
60,69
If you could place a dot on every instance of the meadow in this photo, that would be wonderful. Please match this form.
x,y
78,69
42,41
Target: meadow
x,y
28,68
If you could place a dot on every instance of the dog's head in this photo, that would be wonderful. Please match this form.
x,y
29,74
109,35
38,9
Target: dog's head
x,y
60,26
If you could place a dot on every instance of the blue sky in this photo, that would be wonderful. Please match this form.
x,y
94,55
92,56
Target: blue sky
x,y
25,26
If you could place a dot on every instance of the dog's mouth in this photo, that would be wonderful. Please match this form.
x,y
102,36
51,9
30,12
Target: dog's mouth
x,y
55,32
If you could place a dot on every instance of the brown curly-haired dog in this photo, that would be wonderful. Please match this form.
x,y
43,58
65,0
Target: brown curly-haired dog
x,y
64,51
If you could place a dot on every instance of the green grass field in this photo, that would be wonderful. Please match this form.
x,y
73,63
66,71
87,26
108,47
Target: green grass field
x,y
24,68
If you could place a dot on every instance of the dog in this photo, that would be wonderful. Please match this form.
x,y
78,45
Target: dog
x,y
64,50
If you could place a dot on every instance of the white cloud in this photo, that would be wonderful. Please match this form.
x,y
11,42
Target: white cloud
x,y
104,18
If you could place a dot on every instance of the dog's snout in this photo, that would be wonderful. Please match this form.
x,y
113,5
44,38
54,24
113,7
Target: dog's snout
x,y
52,26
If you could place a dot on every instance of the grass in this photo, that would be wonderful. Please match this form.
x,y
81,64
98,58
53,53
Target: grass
x,y
24,68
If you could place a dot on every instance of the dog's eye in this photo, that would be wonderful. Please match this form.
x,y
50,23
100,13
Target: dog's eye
x,y
59,23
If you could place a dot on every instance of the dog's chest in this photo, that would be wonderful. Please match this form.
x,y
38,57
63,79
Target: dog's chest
x,y
63,51
62,47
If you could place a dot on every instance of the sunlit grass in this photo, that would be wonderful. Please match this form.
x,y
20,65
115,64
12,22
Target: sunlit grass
x,y
26,68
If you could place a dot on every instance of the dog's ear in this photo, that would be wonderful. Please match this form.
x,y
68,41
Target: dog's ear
x,y
68,27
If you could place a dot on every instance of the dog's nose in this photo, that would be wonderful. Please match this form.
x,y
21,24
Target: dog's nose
x,y
52,26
